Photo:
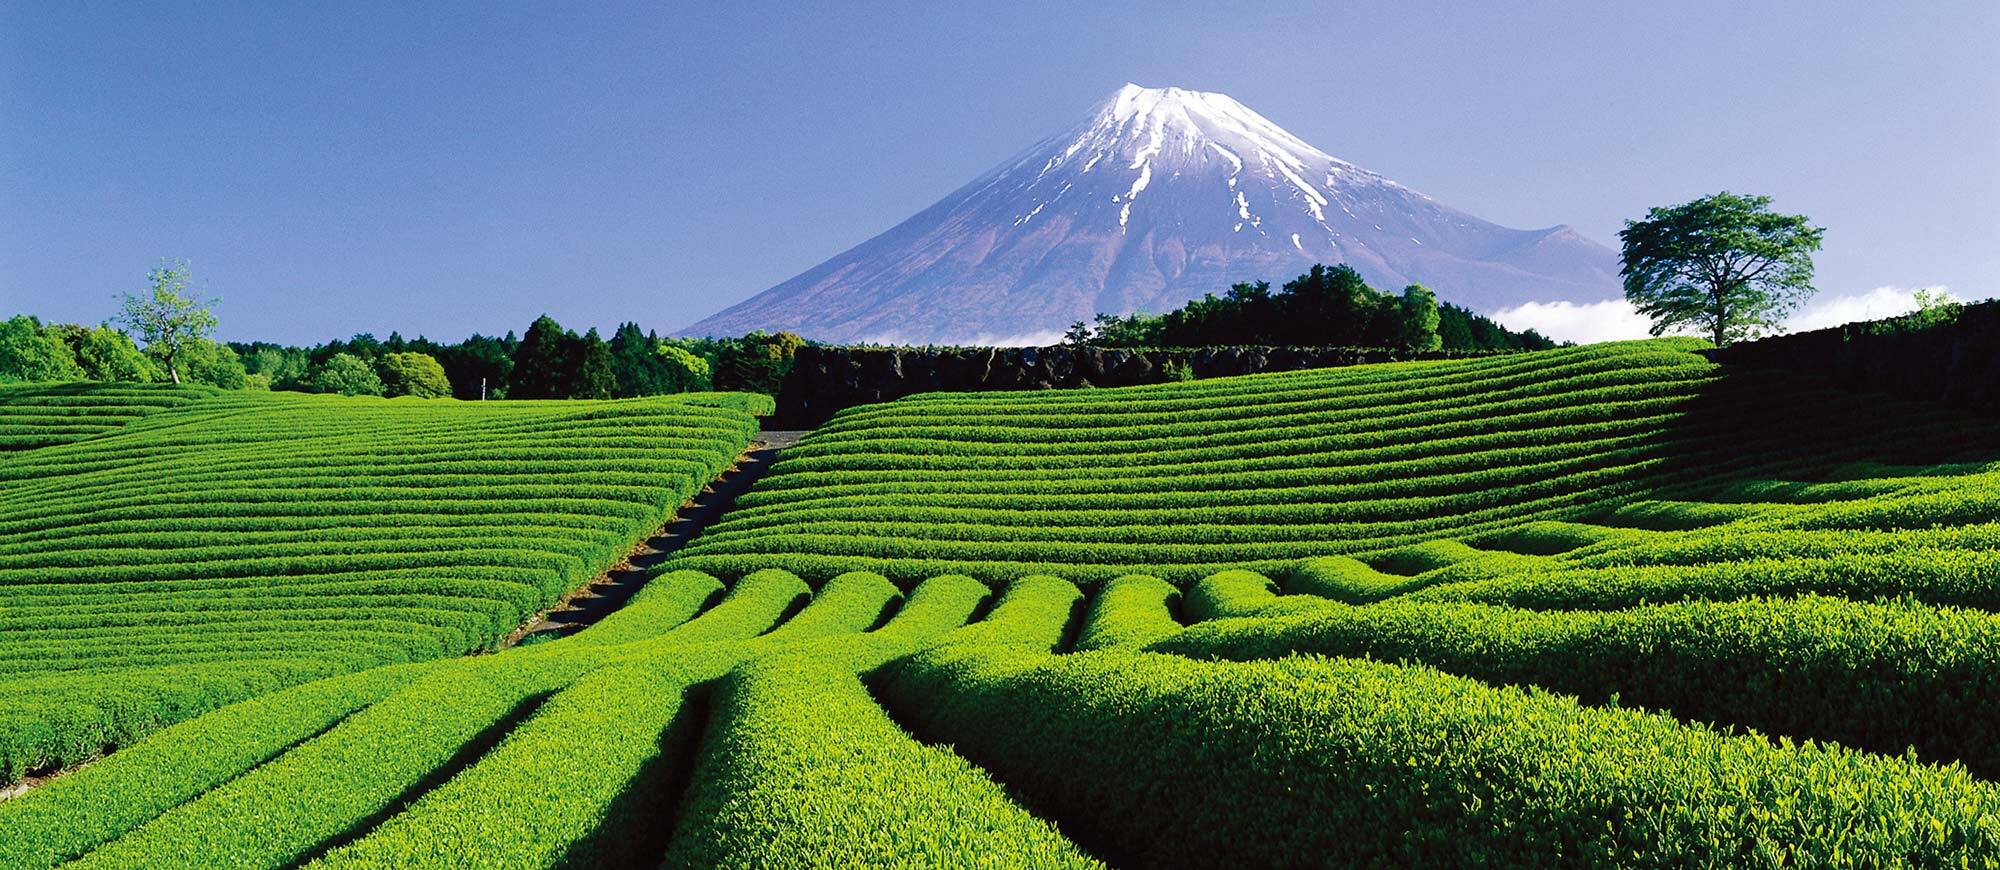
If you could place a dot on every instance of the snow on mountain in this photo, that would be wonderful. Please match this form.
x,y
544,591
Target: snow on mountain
x,y
1163,194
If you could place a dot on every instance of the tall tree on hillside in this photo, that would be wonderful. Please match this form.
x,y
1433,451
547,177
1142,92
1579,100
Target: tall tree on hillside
x,y
167,318
543,364
596,378
1725,264
640,370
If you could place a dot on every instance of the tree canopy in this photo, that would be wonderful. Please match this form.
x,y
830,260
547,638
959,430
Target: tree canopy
x,y
167,318
413,374
1725,265
347,375
28,353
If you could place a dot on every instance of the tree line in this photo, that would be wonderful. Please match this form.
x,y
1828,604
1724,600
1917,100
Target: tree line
x,y
547,361
1326,306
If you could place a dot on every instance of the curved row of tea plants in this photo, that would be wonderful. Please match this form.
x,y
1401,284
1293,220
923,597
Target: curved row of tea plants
x,y
568,753
246,542
44,415
1263,471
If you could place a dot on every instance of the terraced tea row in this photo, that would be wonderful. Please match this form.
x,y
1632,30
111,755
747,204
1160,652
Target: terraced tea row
x,y
246,542
44,415
787,755
1264,471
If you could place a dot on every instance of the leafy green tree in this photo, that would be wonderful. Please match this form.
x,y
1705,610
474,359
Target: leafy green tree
x,y
1417,320
687,373
596,376
30,353
544,366
167,318
1726,265
413,374
107,354
346,374
213,363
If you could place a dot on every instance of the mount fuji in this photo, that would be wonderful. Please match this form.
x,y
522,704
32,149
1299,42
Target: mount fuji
x,y
1161,195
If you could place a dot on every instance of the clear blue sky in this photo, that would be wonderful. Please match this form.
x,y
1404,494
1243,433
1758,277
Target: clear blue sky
x,y
332,168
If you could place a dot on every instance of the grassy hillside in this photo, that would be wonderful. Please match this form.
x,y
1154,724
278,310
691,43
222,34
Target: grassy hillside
x,y
242,542
1264,471
1606,606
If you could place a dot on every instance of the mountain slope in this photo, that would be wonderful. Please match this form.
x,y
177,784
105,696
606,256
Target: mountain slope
x,y
1161,195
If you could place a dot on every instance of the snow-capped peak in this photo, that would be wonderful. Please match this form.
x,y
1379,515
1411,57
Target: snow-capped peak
x,y
1155,197
1158,132
1203,116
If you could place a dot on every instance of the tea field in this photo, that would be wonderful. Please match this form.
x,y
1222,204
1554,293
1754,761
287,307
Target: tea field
x,y
1601,606
173,550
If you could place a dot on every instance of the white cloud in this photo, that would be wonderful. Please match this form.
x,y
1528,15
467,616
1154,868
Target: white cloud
x,y
1824,311
1610,320
1615,319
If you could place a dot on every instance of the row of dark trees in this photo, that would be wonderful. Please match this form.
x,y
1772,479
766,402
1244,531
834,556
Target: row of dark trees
x,y
1327,306
546,362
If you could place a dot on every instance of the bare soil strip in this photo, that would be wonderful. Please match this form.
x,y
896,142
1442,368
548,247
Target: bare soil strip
x,y
611,590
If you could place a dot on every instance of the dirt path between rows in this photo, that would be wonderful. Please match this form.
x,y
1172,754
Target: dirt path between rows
x,y
611,590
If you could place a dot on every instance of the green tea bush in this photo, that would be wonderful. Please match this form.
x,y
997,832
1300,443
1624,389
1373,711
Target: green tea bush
x,y
1331,762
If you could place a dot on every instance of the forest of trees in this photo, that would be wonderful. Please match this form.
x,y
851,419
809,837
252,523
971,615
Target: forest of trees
x,y
546,362
1327,306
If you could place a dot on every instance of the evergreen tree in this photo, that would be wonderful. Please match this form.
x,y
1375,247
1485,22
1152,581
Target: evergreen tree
x,y
756,363
543,367
596,376
478,360
640,370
